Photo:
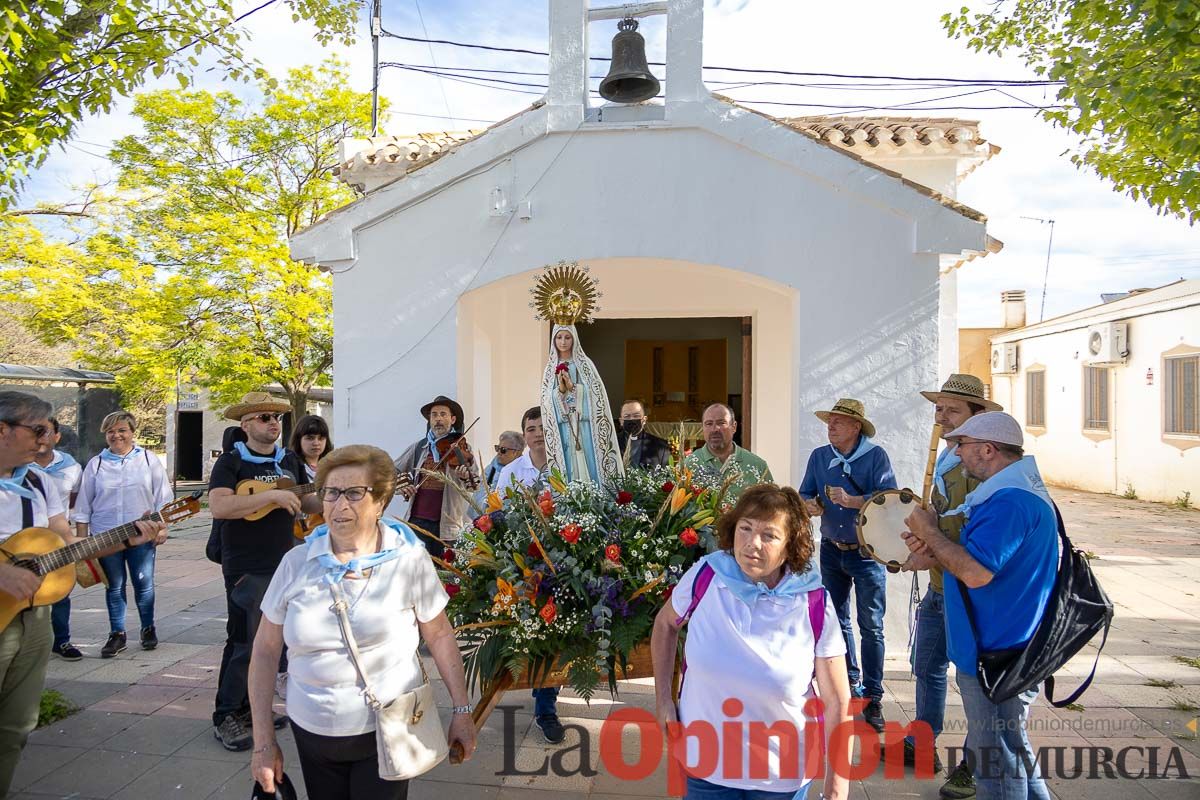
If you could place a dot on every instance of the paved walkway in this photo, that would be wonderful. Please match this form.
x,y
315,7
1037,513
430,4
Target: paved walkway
x,y
145,732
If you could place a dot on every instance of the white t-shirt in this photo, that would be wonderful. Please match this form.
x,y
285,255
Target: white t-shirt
x,y
324,693
521,469
66,480
113,493
43,508
763,658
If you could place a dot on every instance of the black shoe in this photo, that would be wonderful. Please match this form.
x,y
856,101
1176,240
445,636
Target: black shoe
x,y
68,652
961,784
552,729
278,721
149,638
114,645
232,734
873,715
910,757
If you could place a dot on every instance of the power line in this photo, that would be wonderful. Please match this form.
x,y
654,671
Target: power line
x,y
433,58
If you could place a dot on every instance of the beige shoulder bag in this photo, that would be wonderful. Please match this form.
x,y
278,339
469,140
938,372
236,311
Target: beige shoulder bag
x,y
409,736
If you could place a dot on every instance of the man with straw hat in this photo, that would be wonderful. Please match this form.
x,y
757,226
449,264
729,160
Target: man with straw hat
x,y
250,550
838,481
960,398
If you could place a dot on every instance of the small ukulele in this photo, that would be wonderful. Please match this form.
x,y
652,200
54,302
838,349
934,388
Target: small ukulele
x,y
42,552
252,486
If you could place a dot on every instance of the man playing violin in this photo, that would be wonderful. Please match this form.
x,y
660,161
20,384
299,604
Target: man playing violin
x,y
434,506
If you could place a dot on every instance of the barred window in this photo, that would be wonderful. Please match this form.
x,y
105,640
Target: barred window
x,y
1035,399
1182,390
1095,398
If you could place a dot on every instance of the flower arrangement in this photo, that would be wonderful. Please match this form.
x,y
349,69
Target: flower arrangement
x,y
570,576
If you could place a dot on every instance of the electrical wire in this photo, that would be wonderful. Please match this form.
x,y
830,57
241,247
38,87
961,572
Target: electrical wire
x,y
433,58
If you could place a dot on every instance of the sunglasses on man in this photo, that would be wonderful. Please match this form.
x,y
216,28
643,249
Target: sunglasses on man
x,y
504,450
267,418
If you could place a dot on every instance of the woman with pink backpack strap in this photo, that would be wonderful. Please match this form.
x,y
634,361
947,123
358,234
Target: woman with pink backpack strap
x,y
762,635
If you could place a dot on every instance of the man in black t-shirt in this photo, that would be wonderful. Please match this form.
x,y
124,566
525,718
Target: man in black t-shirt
x,y
250,550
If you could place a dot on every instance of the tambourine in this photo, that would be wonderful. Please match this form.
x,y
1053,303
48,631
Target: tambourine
x,y
880,523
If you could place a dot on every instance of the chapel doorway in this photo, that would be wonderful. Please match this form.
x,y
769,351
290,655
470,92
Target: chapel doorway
x,y
676,367
189,446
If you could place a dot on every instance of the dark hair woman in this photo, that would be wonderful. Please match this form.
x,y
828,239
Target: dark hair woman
x,y
310,440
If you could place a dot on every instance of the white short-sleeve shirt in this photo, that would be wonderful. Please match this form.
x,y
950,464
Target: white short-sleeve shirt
x,y
762,657
43,508
324,693
65,479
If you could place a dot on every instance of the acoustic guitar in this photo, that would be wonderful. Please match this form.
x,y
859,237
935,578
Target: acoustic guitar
x,y
251,486
43,552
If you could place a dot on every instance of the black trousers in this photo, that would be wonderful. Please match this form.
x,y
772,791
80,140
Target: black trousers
x,y
243,600
343,768
434,526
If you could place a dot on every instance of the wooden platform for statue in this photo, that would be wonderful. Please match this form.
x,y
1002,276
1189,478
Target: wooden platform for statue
x,y
639,665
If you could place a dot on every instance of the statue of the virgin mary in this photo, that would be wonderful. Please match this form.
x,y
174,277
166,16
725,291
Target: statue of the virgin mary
x,y
581,441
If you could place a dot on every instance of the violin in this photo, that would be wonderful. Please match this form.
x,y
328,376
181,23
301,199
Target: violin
x,y
454,452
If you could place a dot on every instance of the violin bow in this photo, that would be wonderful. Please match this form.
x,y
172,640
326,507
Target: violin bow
x,y
462,435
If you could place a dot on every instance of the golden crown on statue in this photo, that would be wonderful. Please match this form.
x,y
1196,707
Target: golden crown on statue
x,y
565,294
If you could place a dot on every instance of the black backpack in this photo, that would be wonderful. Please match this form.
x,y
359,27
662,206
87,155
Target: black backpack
x,y
212,550
1077,610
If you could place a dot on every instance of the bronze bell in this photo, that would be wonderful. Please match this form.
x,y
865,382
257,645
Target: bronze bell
x,y
629,79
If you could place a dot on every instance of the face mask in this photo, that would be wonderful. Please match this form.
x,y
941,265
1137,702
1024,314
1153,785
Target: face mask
x,y
631,426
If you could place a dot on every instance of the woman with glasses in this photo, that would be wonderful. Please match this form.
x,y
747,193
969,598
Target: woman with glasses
x,y
310,440
395,600
121,484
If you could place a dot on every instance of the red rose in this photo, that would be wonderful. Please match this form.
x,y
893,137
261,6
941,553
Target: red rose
x,y
484,523
549,612
624,498
546,503
570,533
613,552
562,367
689,537
668,487
452,588
449,556
532,551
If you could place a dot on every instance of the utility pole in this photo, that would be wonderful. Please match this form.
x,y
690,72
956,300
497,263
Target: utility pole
x,y
1046,276
376,32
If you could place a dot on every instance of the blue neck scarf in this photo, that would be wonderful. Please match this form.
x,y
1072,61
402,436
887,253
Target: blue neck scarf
x,y
16,484
865,446
275,459
109,455
336,570
62,461
433,440
947,460
1021,474
790,585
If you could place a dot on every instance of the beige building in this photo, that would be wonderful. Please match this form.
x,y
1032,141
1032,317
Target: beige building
x,y
1109,396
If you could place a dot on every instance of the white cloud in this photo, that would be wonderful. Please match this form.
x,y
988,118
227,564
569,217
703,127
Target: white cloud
x,y
1102,241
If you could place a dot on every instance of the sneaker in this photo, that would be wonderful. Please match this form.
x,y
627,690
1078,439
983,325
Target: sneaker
x,y
68,652
114,645
552,729
910,756
278,721
961,784
149,638
232,734
873,715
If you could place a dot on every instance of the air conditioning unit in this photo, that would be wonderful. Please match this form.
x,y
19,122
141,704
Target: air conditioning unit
x,y
1107,343
1004,358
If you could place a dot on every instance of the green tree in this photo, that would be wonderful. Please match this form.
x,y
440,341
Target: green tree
x,y
1131,83
186,272
61,60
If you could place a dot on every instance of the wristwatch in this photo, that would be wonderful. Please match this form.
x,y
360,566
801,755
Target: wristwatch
x,y
467,709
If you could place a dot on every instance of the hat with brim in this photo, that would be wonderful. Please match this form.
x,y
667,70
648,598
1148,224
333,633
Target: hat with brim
x,y
967,388
254,402
990,426
442,400
853,409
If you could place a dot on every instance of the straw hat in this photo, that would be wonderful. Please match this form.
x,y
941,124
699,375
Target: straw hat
x,y
849,408
253,402
963,387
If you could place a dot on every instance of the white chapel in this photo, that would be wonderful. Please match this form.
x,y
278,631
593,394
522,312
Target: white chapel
x,y
771,264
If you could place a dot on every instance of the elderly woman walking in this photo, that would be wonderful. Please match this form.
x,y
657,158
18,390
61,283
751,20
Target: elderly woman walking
x,y
760,628
121,484
394,601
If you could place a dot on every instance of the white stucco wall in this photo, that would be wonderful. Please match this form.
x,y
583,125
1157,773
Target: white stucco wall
x,y
698,215
1136,452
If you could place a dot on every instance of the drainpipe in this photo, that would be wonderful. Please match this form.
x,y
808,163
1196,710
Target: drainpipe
x,y
1115,417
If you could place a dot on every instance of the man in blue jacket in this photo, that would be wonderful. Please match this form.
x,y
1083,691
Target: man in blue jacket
x,y
1002,574
840,478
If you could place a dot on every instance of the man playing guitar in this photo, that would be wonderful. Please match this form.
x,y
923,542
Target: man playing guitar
x,y
25,502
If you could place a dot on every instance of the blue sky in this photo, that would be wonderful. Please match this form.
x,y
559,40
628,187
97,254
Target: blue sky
x,y
1103,241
